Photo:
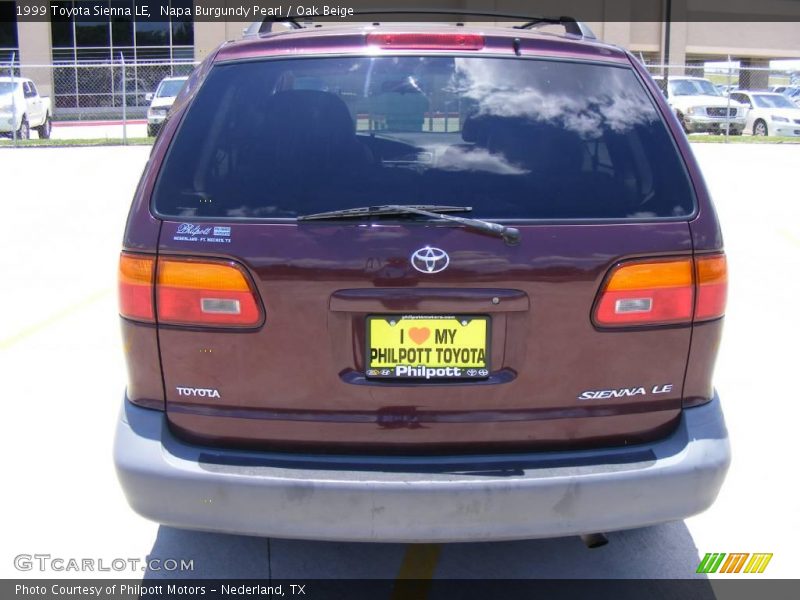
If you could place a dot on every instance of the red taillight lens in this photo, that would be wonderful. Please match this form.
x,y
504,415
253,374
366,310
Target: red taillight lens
x,y
712,287
205,293
426,41
647,293
136,273
663,292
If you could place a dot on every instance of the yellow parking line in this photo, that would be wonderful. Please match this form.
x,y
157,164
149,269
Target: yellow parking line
x,y
52,319
416,571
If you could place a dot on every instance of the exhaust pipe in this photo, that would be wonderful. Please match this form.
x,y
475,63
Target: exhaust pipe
x,y
594,540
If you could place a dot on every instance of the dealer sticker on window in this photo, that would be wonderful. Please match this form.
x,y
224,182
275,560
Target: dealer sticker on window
x,y
193,232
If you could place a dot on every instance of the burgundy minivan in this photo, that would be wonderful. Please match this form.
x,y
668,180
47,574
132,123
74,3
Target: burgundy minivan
x,y
421,283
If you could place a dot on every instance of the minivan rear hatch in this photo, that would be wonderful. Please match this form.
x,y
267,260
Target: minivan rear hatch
x,y
405,332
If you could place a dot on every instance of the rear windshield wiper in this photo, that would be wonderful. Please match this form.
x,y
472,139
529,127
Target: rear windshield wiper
x,y
388,209
510,235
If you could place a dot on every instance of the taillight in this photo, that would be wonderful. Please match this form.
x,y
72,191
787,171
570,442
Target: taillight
x,y
647,292
205,293
663,292
426,41
188,291
712,287
136,273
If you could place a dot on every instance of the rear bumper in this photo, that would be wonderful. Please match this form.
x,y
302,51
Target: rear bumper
x,y
413,499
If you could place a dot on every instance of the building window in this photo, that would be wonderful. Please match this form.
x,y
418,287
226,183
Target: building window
x,y
88,78
122,25
9,44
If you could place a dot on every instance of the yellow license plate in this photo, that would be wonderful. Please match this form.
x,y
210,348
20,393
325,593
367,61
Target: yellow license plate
x,y
427,347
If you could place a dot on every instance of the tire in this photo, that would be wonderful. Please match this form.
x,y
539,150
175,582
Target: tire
x,y
152,131
24,132
46,128
760,127
736,132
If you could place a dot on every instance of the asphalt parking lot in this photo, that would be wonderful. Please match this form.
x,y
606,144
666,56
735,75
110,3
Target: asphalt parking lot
x,y
63,376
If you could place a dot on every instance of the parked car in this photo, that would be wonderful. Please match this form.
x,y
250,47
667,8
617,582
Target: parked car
x,y
421,283
794,96
784,89
769,113
700,107
790,91
161,101
23,109
724,90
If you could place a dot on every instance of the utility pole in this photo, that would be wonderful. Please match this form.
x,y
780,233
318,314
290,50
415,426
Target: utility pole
x,y
667,32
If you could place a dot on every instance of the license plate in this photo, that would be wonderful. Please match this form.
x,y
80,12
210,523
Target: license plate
x,y
427,346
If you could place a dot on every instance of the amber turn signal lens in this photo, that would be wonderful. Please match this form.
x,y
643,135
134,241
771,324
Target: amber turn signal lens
x,y
201,275
647,275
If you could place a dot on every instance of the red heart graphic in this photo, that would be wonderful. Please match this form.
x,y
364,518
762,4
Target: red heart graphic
x,y
419,334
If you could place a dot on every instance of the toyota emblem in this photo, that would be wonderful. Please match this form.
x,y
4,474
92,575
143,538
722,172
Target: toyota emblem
x,y
430,260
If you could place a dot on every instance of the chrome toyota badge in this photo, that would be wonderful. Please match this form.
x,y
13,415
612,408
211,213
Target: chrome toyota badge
x,y
430,260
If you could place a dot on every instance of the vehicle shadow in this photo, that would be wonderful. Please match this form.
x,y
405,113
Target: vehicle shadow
x,y
661,552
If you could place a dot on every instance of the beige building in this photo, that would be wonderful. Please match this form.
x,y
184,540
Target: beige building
x,y
690,43
755,43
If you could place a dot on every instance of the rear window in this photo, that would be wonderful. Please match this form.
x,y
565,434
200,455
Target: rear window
x,y
512,138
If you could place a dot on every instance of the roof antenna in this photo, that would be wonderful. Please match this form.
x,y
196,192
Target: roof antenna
x,y
515,44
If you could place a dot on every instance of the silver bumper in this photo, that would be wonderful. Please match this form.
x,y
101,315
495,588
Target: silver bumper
x,y
702,123
157,118
414,499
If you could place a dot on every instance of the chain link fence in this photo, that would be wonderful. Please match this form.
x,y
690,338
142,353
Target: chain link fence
x,y
91,99
731,76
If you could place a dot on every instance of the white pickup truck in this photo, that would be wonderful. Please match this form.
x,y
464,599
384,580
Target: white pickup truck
x,y
23,109
701,108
